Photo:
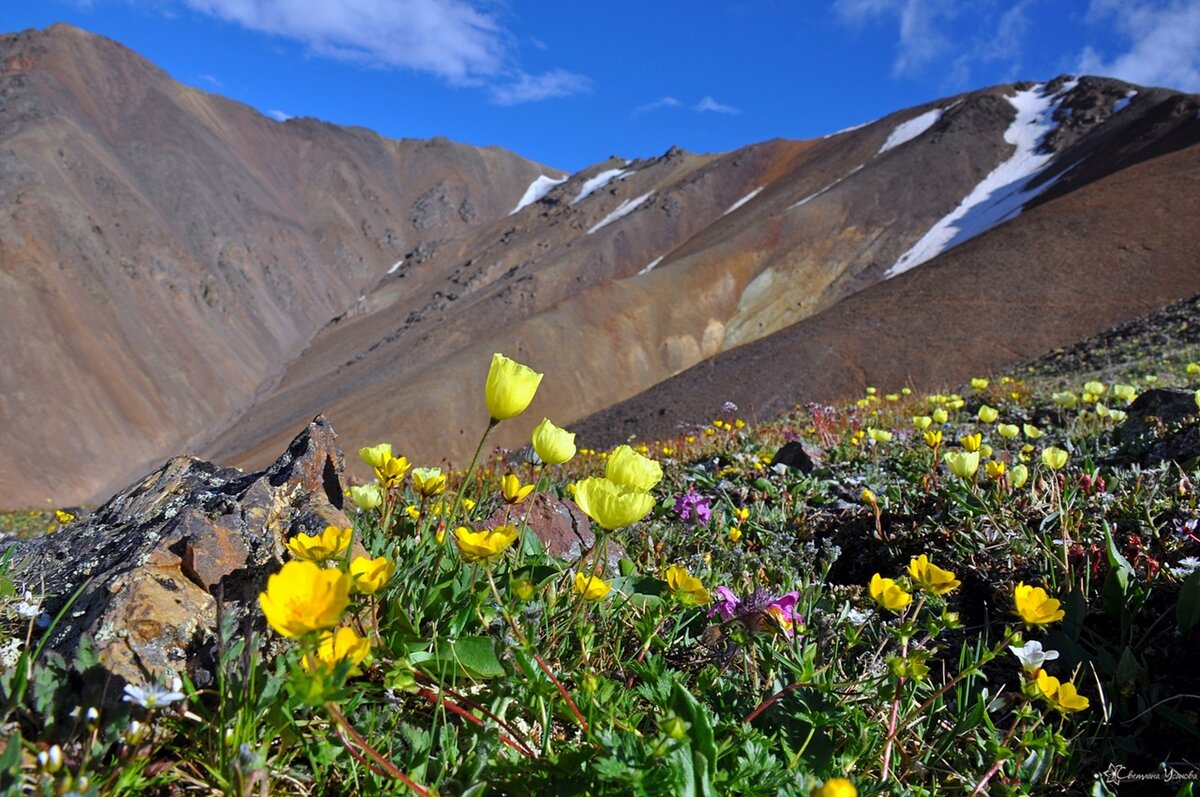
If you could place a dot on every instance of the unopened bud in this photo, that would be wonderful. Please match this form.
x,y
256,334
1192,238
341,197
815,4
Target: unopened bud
x,y
51,760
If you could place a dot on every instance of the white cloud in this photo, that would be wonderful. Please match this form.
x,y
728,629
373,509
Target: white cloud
x,y
531,88
1163,43
279,116
709,104
212,80
921,38
461,41
661,102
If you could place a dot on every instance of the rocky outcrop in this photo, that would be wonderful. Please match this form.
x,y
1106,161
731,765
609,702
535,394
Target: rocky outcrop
x,y
147,575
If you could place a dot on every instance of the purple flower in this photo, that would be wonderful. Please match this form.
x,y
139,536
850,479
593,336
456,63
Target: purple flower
x,y
758,606
726,604
783,610
693,506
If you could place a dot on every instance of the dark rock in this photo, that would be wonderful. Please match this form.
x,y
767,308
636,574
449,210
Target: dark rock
x,y
798,456
150,564
1161,425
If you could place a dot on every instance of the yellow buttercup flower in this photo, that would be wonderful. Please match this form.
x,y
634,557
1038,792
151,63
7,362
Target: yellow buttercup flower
x,y
553,445
510,387
835,787
330,543
1036,607
735,534
429,482
688,589
302,598
367,496
1054,458
888,594
988,414
610,504
376,455
1067,699
341,645
933,438
592,588
481,545
370,575
1047,684
930,577
994,470
513,492
1008,430
63,517
962,464
628,468
971,441
392,470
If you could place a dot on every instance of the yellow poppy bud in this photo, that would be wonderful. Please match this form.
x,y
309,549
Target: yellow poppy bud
x,y
610,504
939,415
630,469
510,387
994,469
429,482
1054,458
962,464
376,455
988,414
553,445
1008,430
367,496
979,384
1018,476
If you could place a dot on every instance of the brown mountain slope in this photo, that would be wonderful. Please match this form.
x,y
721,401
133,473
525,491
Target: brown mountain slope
x,y
164,252
609,311
1068,269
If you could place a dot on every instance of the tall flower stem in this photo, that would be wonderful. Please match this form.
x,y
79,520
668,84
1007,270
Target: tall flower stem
x,y
377,760
451,519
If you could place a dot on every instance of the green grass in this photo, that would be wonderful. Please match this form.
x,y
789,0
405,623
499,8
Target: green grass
x,y
498,678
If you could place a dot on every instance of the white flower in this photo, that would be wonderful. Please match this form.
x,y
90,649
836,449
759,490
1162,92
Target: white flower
x,y
28,608
152,696
10,653
1032,656
1186,567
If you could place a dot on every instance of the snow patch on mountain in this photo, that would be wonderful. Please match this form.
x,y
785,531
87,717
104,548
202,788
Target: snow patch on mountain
x,y
1004,192
396,265
849,129
622,210
599,181
1123,103
536,190
743,200
650,266
913,128
834,184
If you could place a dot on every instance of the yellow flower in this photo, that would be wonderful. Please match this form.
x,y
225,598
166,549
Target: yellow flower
x,y
985,451
1126,393
1036,607
376,455
1018,476
1065,399
335,646
1047,684
930,577
735,534
1095,388
392,471
1032,432
429,482
367,496
513,492
1054,458
879,435
628,468
868,497
687,588
922,422
995,470
835,787
1068,700
933,438
962,464
592,588
955,403
63,517
1008,430
302,597
610,504
553,445
370,575
510,387
413,511
482,545
523,589
988,414
939,415
971,441
979,384
1193,368
328,544
888,594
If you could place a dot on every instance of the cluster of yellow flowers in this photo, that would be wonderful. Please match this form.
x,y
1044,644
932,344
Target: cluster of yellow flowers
x,y
1094,394
925,575
306,601
622,496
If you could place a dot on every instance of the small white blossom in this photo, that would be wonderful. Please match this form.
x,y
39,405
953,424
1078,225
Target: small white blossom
x,y
151,696
10,653
27,608
1186,567
1032,656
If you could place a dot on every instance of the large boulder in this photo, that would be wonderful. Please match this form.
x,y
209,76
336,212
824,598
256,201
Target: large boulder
x,y
153,568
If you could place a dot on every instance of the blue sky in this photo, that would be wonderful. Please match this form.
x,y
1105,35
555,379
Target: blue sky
x,y
569,83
